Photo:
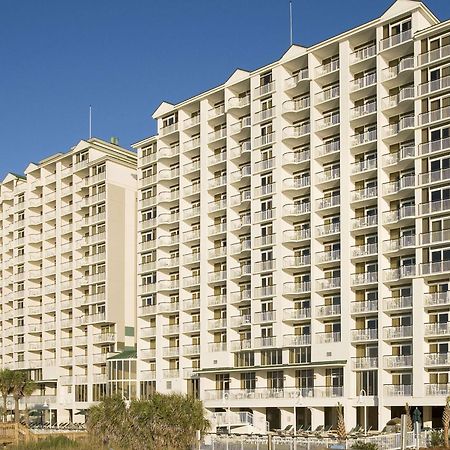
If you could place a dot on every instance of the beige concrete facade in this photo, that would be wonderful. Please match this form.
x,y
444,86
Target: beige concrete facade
x,y
68,259
293,247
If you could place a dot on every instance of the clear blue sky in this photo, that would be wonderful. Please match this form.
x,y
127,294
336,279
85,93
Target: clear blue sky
x,y
125,57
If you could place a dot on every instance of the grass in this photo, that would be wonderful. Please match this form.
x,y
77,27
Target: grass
x,y
55,443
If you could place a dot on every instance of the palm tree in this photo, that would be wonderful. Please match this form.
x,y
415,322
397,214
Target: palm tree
x,y
446,420
341,431
22,387
27,389
6,385
409,424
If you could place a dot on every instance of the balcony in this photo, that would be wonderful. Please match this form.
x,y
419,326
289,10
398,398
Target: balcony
x,y
363,54
239,102
358,279
327,256
434,55
363,110
405,64
242,125
328,310
171,374
171,329
296,288
190,350
398,362
434,176
216,229
328,68
363,82
434,116
434,85
331,201
267,214
404,212
395,303
365,363
297,209
328,94
217,158
434,207
364,307
264,89
192,121
260,266
359,251
398,332
294,262
328,338
437,329
217,182
244,344
168,129
216,111
363,138
217,300
328,229
265,139
265,316
405,123
327,175
191,327
437,299
242,197
293,81
328,121
296,105
296,235
217,134
193,166
216,324
240,321
245,244
297,157
217,347
437,359
392,101
324,284
217,276
148,353
394,187
328,149
433,389
293,314
400,273
395,39
265,291
217,205
398,390
265,164
363,194
365,334
264,114
265,342
240,150
171,352
296,132
395,245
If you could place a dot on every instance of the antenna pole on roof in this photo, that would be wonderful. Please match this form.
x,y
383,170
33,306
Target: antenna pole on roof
x,y
290,21
90,121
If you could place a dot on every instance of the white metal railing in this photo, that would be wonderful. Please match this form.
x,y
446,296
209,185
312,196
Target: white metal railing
x,y
434,55
395,39
367,80
404,64
365,334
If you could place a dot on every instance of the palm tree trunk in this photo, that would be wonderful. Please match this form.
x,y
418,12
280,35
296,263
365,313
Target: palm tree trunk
x,y
5,406
16,410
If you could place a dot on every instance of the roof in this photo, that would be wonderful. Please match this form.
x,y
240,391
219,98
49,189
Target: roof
x,y
130,353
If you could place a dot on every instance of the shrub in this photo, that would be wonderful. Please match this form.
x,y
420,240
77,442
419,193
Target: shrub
x,y
437,438
361,445
53,443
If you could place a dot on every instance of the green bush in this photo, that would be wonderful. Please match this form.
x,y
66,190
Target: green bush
x,y
437,438
361,445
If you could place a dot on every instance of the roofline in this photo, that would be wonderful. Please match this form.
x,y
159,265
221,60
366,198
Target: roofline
x,y
144,141
432,28
312,48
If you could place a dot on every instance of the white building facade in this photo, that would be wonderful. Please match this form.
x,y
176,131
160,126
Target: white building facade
x,y
294,222
68,259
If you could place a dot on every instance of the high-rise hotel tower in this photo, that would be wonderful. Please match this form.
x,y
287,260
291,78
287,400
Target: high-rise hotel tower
x,y
294,233
67,273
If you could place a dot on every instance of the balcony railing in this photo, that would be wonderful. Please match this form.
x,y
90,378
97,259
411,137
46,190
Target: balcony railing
x,y
363,54
435,115
437,298
325,69
328,337
406,271
437,329
364,138
365,81
402,302
403,124
364,278
434,206
328,94
397,332
434,55
434,85
394,245
296,313
364,250
437,359
395,39
366,334
403,212
434,389
365,362
296,105
363,110
291,82
397,362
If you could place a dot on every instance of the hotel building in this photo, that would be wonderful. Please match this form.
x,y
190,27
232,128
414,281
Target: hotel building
x,y
294,227
67,273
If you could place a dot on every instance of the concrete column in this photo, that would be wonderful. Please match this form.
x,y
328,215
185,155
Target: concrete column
x,y
317,417
384,415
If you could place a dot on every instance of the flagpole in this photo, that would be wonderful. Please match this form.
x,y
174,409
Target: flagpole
x,y
290,21
90,121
